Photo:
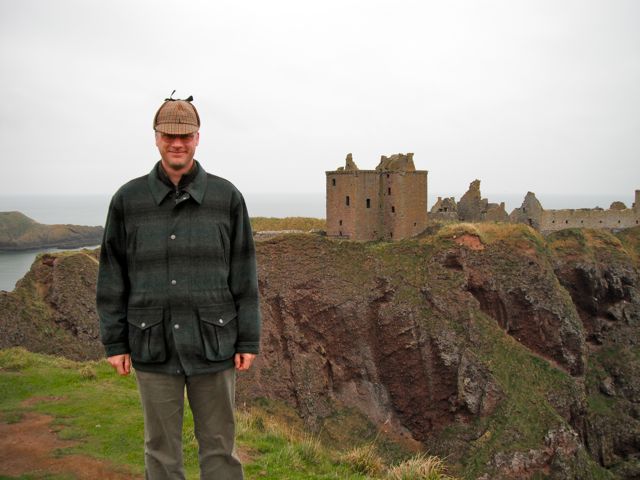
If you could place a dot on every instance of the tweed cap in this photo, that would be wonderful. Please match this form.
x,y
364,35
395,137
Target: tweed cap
x,y
176,117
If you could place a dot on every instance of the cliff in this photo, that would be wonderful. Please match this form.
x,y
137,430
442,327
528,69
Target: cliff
x,y
19,232
513,355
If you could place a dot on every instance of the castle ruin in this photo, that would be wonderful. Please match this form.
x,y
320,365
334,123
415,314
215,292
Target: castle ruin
x,y
618,216
471,208
388,203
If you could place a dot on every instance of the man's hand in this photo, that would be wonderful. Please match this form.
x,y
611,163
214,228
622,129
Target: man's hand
x,y
122,363
243,361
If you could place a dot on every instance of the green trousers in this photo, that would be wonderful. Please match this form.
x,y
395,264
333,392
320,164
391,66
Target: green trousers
x,y
211,398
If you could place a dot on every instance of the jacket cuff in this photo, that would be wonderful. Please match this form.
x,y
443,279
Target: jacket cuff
x,y
248,347
116,349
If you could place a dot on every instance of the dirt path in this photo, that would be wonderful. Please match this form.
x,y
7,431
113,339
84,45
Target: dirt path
x,y
29,447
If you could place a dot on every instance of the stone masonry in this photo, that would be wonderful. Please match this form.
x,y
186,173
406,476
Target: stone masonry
x,y
388,203
618,216
471,208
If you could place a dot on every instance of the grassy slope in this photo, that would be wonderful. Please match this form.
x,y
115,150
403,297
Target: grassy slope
x,y
261,224
102,410
14,224
19,231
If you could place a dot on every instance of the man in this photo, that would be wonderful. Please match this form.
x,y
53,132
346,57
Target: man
x,y
178,297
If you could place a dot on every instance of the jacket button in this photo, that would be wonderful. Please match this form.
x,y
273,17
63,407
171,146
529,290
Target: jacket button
x,y
172,237
173,282
221,321
176,326
143,324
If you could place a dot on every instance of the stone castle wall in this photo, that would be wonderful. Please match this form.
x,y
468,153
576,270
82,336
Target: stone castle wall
x,y
352,204
552,220
403,203
617,217
377,204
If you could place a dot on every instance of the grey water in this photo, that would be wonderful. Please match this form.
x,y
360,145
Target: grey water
x,y
92,210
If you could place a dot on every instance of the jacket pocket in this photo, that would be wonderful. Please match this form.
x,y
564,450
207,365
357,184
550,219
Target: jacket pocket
x,y
224,243
219,330
146,335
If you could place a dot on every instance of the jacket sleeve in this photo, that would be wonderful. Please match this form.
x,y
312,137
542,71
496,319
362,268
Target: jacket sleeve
x,y
113,283
243,278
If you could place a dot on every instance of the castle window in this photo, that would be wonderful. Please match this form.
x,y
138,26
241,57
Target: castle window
x,y
415,224
553,221
581,221
340,222
387,175
333,182
618,221
391,234
340,232
368,203
566,221
393,209
347,200
600,221
389,190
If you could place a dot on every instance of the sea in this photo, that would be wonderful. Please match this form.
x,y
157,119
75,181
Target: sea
x,y
92,210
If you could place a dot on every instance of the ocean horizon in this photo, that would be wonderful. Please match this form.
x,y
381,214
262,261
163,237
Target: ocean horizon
x,y
92,210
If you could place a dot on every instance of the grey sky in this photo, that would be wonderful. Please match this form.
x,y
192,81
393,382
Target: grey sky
x,y
525,95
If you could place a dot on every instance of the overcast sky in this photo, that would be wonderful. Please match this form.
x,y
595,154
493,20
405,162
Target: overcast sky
x,y
524,95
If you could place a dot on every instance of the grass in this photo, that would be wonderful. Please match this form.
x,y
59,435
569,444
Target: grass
x,y
630,238
261,224
493,232
596,245
101,411
421,466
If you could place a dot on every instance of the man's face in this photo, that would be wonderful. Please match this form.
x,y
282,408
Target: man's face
x,y
177,150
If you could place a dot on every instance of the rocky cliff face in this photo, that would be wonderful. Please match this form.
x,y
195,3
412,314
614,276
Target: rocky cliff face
x,y
52,309
514,355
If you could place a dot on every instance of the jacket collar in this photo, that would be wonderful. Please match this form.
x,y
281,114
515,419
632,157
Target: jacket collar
x,y
196,188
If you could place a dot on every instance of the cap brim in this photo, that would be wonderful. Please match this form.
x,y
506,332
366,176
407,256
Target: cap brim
x,y
176,128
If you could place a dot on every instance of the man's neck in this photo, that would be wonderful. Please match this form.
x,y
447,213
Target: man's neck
x,y
176,175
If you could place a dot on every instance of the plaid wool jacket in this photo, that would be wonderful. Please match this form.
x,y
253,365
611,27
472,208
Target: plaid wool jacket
x,y
177,283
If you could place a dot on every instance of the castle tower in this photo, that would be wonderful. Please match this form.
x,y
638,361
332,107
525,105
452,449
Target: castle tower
x,y
388,203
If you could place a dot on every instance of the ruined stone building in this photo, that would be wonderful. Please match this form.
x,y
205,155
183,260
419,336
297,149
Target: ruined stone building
x,y
471,208
388,203
618,216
